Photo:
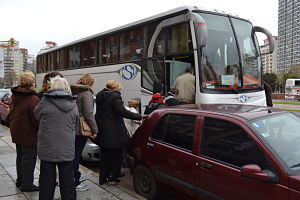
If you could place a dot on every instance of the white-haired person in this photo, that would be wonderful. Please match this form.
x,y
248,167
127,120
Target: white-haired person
x,y
113,133
24,129
58,115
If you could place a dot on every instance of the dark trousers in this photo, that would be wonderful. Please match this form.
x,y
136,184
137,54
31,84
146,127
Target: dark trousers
x,y
26,160
48,180
80,142
110,163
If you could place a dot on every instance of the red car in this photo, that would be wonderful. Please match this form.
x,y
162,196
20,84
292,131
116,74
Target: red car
x,y
5,95
232,152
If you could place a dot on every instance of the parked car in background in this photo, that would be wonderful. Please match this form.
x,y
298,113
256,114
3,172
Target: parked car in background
x,y
3,92
217,151
5,96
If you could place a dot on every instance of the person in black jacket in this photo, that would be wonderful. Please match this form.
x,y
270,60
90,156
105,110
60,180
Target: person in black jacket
x,y
113,133
156,102
171,97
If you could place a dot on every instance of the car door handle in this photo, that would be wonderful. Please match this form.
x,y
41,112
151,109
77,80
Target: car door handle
x,y
206,165
151,145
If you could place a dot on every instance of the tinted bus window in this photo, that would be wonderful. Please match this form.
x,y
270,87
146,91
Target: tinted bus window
x,y
63,59
179,39
132,45
160,43
74,55
108,50
88,53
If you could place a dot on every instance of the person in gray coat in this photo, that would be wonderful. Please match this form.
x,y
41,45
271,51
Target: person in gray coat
x,y
85,103
58,115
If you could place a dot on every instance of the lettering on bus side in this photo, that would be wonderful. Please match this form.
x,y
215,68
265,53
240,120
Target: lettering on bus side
x,y
128,72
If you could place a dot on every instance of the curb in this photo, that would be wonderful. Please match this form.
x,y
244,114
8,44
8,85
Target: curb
x,y
132,193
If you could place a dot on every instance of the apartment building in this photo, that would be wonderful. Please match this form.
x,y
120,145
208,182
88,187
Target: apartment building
x,y
13,62
269,61
289,34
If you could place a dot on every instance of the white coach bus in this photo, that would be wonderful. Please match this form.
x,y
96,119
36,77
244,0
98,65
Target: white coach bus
x,y
222,49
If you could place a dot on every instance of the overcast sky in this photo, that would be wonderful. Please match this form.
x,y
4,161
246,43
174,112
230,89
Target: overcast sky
x,y
32,22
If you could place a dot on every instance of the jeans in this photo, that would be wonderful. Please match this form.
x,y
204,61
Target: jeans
x,y
26,160
48,180
80,142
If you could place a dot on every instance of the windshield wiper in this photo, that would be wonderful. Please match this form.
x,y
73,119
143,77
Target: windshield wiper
x,y
294,166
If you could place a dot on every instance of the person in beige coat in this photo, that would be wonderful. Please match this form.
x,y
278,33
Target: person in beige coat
x,y
186,86
85,103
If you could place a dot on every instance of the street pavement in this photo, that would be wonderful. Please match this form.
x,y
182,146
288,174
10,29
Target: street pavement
x,y
286,106
9,191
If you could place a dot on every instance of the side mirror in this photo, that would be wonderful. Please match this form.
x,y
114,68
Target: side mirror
x,y
200,29
269,36
255,172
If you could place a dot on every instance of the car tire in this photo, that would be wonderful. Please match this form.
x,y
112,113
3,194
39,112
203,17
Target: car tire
x,y
144,182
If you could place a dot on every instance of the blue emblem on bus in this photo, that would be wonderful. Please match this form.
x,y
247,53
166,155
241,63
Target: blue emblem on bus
x,y
128,72
243,98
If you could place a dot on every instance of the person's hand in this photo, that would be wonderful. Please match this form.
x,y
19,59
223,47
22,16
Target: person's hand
x,y
144,116
93,136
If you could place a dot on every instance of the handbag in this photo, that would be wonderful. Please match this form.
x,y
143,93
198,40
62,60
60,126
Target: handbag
x,y
85,129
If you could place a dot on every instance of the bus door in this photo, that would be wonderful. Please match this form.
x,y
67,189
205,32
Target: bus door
x,y
174,69
153,79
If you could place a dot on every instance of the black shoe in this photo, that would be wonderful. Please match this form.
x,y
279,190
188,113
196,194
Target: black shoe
x,y
101,182
121,175
114,180
18,184
32,189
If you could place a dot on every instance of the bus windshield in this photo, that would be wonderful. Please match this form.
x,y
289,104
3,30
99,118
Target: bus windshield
x,y
231,60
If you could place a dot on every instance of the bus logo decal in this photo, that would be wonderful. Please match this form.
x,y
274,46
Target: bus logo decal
x,y
128,72
243,98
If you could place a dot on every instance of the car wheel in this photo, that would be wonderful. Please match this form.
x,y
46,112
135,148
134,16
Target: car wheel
x,y
144,182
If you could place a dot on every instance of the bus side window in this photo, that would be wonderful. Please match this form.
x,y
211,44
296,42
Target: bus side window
x,y
132,45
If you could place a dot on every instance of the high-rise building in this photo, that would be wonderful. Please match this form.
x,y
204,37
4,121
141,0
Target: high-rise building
x,y
13,64
289,34
269,61
31,63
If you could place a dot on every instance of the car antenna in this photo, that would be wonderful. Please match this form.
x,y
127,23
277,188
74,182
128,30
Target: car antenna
x,y
269,110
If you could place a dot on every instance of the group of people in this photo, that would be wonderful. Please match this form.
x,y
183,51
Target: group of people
x,y
46,124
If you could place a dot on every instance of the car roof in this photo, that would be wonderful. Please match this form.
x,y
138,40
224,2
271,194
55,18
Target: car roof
x,y
247,112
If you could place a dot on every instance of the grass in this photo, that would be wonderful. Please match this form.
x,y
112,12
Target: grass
x,y
287,102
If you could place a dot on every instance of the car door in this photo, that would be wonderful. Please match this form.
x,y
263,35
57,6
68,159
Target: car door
x,y
226,146
170,155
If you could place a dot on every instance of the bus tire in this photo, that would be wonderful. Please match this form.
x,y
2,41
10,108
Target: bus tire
x,y
144,182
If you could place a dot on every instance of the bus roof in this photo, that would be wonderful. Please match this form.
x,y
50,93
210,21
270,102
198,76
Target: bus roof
x,y
181,9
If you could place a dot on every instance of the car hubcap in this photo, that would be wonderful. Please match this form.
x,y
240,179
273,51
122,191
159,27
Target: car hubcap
x,y
145,183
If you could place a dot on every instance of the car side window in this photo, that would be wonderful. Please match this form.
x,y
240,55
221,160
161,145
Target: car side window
x,y
159,130
177,130
229,143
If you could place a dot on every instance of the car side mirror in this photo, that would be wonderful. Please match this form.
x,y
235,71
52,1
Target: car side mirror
x,y
255,172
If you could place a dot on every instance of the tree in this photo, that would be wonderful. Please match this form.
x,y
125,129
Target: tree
x,y
271,80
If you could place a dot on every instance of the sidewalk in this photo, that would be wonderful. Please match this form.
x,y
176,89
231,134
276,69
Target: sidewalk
x,y
9,191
